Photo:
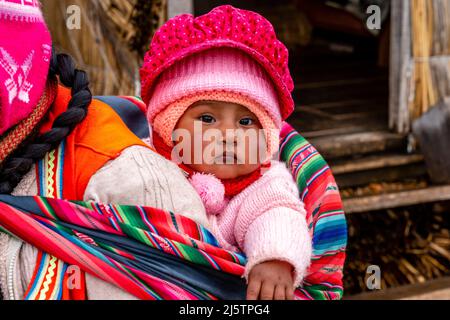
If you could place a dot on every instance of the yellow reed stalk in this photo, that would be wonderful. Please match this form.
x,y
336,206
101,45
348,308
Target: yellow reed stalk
x,y
422,34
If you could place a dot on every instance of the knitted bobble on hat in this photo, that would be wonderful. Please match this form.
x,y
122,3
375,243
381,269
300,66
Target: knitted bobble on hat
x,y
211,192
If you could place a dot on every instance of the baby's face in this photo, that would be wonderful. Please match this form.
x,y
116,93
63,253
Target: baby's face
x,y
225,139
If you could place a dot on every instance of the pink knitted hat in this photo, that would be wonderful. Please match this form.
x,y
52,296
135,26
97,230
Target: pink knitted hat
x,y
224,26
226,74
25,51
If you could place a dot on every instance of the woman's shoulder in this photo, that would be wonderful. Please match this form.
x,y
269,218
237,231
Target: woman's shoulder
x,y
101,137
105,131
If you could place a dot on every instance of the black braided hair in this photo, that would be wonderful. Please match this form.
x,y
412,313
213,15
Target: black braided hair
x,y
20,162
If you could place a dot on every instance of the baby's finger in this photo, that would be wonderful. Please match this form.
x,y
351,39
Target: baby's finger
x,y
267,291
254,286
280,292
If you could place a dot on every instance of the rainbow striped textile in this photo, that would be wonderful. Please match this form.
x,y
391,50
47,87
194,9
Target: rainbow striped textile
x,y
154,254
325,215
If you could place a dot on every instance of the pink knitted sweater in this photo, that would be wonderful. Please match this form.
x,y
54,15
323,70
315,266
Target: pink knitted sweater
x,y
267,222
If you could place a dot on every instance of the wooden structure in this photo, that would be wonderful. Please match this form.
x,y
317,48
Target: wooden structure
x,y
358,114
420,59
438,289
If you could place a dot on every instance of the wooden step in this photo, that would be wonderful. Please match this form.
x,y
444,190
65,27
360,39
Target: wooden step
x,y
340,82
396,199
344,129
313,126
374,162
315,93
358,143
388,175
436,289
351,172
340,117
382,175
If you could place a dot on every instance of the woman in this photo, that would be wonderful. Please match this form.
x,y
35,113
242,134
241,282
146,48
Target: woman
x,y
58,142
100,152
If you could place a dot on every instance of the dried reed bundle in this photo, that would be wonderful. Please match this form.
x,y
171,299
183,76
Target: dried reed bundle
x,y
431,54
110,43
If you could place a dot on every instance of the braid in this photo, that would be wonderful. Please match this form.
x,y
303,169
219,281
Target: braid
x,y
17,165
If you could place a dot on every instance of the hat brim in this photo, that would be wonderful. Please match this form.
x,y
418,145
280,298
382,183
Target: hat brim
x,y
284,95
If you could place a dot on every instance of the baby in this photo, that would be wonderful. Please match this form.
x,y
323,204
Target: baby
x,y
217,89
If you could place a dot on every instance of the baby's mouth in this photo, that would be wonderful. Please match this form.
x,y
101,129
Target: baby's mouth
x,y
227,158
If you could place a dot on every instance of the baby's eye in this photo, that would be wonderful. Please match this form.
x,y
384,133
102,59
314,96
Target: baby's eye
x,y
246,122
207,119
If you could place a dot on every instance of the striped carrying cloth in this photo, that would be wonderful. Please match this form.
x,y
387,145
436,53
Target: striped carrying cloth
x,y
148,252
154,254
325,216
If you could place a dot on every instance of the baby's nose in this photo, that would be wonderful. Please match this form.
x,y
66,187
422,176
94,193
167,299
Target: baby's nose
x,y
228,131
229,136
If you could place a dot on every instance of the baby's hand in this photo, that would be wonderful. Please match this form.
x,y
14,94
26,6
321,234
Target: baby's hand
x,y
271,280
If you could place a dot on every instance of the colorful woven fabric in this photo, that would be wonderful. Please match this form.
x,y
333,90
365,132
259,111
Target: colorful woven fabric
x,y
115,242
160,255
325,215
124,245
47,279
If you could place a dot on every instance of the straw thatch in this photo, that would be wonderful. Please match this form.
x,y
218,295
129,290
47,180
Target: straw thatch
x,y
431,52
420,59
112,38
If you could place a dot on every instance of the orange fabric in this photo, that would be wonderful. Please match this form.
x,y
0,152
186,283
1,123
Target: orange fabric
x,y
101,137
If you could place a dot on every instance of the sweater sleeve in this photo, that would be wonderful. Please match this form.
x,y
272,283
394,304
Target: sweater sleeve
x,y
271,224
279,234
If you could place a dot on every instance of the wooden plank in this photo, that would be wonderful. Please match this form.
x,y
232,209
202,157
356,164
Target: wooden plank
x,y
357,91
374,162
380,175
400,66
339,82
396,199
319,68
342,103
316,112
314,126
340,130
434,289
358,115
358,143
341,116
